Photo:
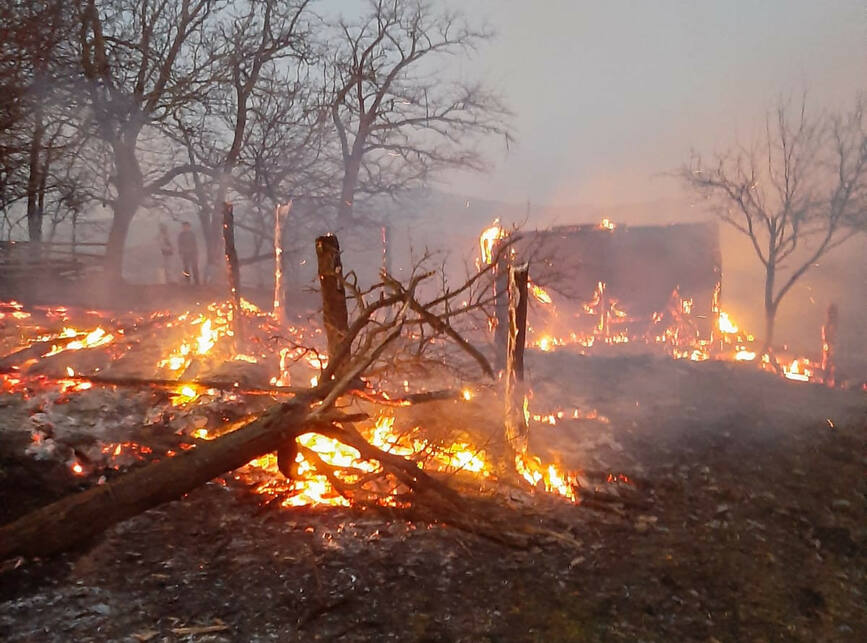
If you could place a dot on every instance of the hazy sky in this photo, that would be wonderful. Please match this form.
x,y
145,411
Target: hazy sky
x,y
610,94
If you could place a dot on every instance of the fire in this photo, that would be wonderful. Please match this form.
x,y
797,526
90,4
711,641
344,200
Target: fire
x,y
488,238
96,337
540,294
551,478
725,324
606,224
799,370
206,339
744,355
311,488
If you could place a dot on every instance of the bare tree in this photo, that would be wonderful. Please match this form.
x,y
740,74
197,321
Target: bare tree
x,y
37,118
797,193
396,117
141,60
255,49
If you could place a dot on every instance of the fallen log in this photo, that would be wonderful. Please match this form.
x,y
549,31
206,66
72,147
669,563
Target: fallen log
x,y
77,518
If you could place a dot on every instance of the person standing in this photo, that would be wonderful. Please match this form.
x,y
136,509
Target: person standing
x,y
189,251
167,250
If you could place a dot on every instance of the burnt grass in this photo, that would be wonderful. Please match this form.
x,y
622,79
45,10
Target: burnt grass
x,y
754,529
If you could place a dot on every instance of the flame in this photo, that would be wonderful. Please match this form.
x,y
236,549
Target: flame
x,y
311,488
799,370
552,478
725,324
540,294
606,224
96,337
488,238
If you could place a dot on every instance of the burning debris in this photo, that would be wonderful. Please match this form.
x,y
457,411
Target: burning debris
x,y
212,385
632,313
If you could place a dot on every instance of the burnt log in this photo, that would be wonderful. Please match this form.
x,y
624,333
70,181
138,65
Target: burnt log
x,y
517,431
77,518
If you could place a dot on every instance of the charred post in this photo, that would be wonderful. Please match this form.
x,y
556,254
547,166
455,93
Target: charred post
x,y
829,339
280,214
517,430
234,272
334,312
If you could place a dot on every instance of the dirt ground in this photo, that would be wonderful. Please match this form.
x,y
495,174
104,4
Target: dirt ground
x,y
753,529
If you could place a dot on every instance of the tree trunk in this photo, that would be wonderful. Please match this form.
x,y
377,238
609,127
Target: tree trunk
x,y
280,214
501,304
233,271
347,192
517,430
34,180
76,518
120,222
130,185
770,306
334,312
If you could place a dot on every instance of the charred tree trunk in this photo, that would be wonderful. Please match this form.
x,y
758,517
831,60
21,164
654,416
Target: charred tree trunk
x,y
233,270
280,214
501,304
517,431
77,518
829,339
334,312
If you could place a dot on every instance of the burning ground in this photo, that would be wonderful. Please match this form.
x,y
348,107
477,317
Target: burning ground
x,y
715,500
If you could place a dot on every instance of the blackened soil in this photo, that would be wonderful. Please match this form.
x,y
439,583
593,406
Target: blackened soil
x,y
754,530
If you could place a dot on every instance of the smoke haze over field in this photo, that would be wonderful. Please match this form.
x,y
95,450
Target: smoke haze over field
x,y
608,96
